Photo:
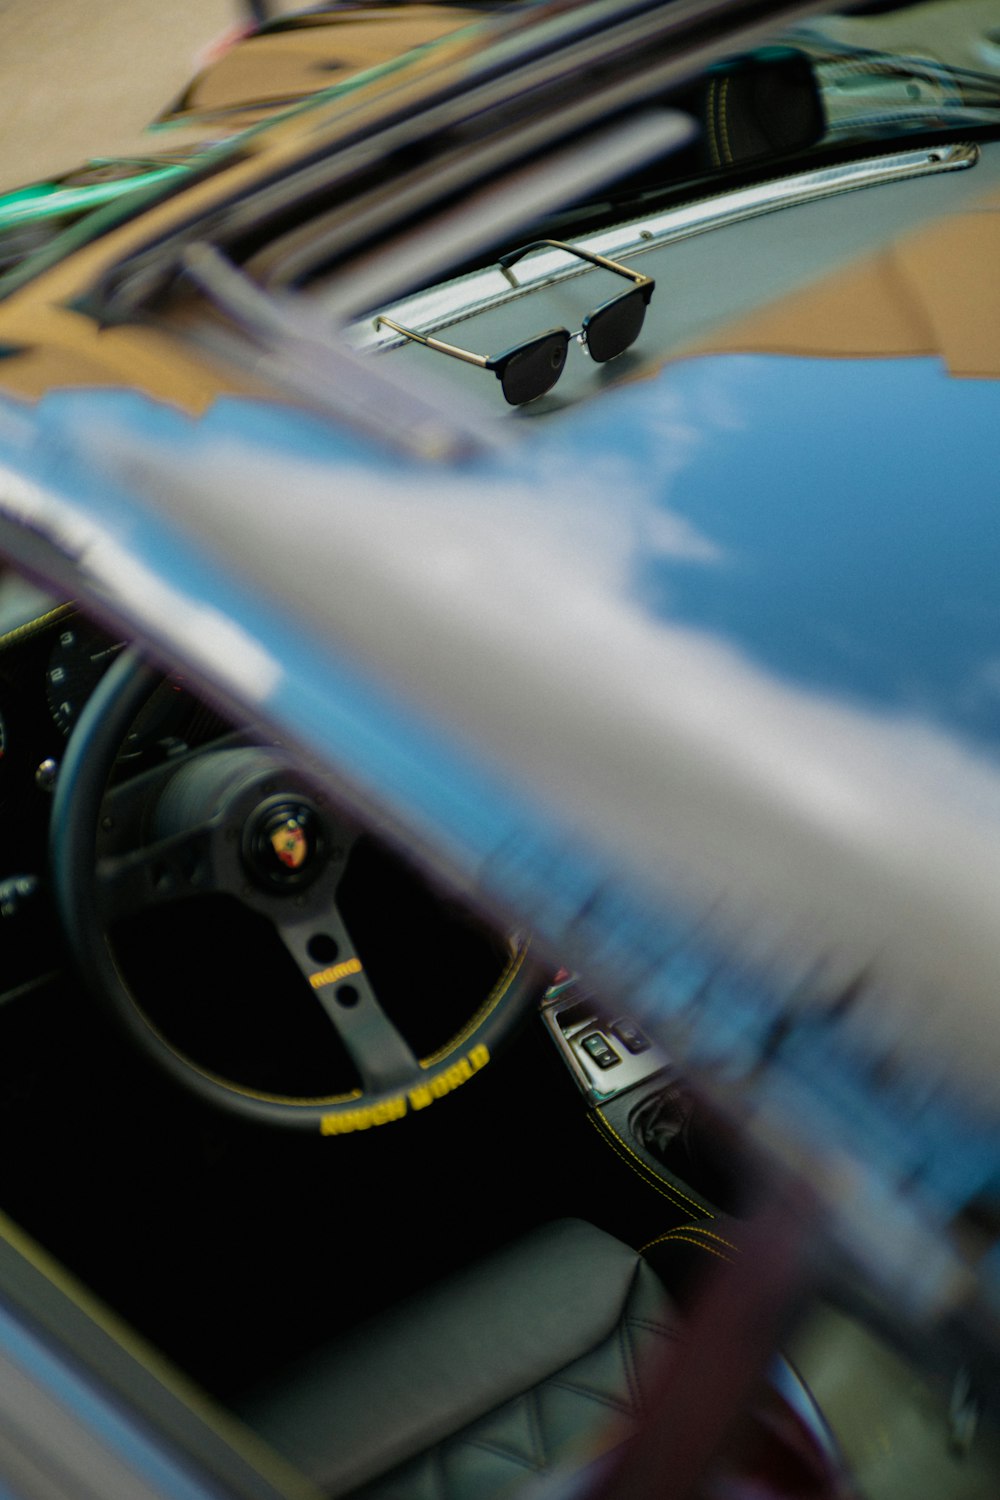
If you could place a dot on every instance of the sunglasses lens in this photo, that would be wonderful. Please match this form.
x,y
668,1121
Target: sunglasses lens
x,y
612,329
534,369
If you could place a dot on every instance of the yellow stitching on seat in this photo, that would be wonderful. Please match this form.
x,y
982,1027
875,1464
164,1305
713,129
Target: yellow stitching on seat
x,y
699,1246
692,1228
698,1229
657,1240
679,1234
719,1238
676,1191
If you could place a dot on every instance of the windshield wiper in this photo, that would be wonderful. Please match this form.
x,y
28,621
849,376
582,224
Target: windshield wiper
x,y
871,95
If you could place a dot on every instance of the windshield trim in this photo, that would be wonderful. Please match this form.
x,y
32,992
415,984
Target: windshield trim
x,y
481,290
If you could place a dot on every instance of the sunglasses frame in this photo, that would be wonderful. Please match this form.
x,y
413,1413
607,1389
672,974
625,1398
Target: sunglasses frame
x,y
499,363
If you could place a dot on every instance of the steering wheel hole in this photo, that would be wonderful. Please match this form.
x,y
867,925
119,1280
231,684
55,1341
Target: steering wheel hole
x,y
431,962
323,949
220,987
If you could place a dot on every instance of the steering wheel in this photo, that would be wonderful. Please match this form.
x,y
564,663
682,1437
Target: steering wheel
x,y
239,820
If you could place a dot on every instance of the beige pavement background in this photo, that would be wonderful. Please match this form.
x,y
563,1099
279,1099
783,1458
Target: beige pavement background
x,y
80,78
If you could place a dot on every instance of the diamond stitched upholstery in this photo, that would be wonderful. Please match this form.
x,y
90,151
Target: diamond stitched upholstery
x,y
577,1412
514,1364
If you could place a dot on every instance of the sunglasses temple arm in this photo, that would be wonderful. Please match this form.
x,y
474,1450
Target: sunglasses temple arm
x,y
451,349
506,261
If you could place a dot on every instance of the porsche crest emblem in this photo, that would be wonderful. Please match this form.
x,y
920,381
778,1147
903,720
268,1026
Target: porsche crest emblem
x,y
284,844
290,844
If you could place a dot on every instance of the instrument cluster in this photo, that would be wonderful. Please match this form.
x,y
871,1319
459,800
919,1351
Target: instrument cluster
x,y
49,667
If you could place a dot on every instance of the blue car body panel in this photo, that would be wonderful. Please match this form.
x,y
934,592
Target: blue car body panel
x,y
852,503
791,531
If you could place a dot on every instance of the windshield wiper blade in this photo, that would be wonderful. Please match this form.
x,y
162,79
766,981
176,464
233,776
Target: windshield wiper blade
x,y
869,94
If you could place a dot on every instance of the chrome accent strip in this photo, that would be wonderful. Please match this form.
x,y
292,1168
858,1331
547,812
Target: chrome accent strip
x,y
481,290
597,1085
784,1378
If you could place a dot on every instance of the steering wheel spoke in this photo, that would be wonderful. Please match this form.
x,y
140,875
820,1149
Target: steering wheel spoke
x,y
380,1053
155,874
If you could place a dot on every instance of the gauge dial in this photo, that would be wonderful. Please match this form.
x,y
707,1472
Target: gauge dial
x,y
78,660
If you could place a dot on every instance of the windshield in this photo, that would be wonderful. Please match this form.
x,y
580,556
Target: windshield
x,y
822,91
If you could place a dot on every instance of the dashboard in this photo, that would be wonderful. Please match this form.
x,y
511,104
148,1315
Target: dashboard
x,y
51,660
50,664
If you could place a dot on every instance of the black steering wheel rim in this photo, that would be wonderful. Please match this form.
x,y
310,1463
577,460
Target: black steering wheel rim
x,y
93,747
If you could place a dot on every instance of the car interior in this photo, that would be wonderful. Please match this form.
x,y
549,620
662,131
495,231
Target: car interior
x,y
244,1250
322,1226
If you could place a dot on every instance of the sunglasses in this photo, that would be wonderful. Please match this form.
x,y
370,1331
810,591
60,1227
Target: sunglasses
x,y
531,368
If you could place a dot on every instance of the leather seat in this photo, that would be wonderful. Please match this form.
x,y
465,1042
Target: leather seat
x,y
537,1357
